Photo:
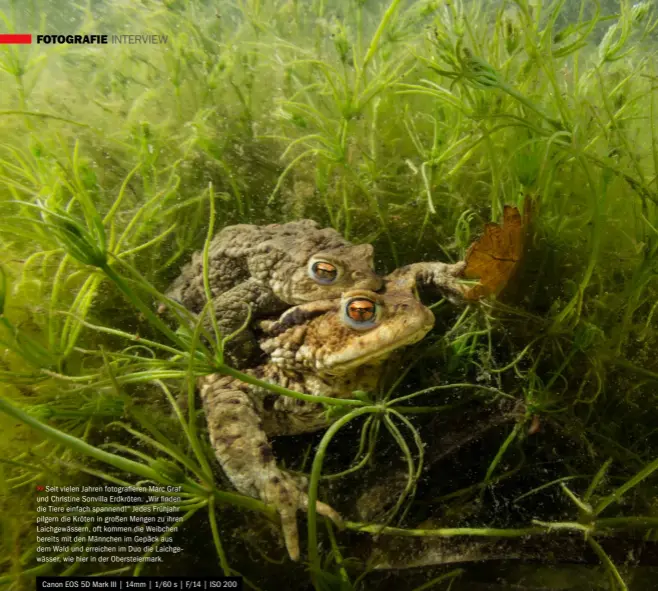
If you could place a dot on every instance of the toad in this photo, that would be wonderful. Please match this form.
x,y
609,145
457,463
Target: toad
x,y
270,268
324,348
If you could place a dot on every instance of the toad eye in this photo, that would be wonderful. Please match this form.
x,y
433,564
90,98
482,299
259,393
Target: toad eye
x,y
324,272
360,313
361,310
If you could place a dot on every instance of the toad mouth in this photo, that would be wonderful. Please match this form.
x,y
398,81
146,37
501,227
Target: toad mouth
x,y
379,354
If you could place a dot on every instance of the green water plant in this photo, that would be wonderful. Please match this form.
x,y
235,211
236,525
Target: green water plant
x,y
406,124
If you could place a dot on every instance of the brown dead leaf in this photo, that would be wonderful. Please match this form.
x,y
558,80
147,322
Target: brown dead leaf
x,y
494,258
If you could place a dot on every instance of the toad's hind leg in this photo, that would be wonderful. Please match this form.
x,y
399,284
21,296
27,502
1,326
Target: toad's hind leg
x,y
224,272
242,448
232,310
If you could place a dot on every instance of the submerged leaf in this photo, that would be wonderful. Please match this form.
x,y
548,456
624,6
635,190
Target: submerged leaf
x,y
494,258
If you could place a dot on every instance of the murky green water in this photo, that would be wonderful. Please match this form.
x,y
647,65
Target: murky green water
x,y
528,460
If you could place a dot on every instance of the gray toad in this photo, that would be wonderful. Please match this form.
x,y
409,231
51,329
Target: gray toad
x,y
272,268
324,348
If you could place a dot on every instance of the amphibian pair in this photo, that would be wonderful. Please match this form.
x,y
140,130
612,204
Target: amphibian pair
x,y
331,343
270,268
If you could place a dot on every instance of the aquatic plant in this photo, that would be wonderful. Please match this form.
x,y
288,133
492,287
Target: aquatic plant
x,y
405,124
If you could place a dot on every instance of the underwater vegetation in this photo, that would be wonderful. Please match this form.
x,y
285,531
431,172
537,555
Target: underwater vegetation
x,y
521,431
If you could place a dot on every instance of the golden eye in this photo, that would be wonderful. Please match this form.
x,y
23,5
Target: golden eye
x,y
324,272
361,310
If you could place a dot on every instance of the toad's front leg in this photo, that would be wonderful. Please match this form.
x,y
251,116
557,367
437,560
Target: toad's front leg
x,y
242,448
433,275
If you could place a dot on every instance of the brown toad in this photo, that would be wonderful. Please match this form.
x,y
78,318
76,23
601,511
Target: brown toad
x,y
325,348
272,268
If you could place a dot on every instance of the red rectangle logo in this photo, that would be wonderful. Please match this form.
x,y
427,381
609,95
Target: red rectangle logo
x,y
16,39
